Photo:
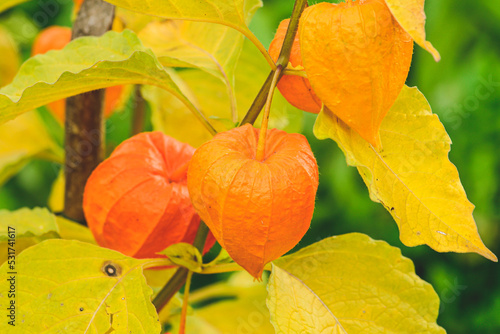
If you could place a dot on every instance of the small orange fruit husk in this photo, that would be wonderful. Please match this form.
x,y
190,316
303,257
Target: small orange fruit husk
x,y
357,58
257,210
137,202
297,90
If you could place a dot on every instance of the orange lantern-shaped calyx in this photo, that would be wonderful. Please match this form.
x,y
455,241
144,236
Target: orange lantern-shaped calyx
x,y
297,90
137,201
357,57
257,210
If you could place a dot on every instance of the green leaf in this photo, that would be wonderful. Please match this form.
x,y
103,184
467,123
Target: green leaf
x,y
85,64
350,284
210,94
6,4
22,140
73,287
232,13
412,175
185,255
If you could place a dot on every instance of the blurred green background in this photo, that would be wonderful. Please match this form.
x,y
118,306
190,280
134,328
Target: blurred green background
x,y
463,89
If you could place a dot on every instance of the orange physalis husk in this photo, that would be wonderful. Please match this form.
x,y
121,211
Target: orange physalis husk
x,y
56,38
357,58
297,90
137,201
257,210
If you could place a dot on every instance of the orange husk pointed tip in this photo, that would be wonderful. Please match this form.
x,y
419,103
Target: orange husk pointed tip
x,y
257,210
357,58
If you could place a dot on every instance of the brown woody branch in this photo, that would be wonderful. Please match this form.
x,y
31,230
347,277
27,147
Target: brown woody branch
x,y
84,128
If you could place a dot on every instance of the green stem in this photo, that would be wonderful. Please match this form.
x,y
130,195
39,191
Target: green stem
x,y
260,99
261,145
227,268
179,278
185,303
299,73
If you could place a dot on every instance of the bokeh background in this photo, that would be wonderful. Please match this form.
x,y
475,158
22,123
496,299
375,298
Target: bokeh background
x,y
463,89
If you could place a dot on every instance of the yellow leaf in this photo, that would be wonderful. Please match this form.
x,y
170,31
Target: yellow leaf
x,y
296,308
24,228
56,198
357,58
412,176
73,287
350,284
210,47
411,16
85,64
71,230
10,58
22,140
210,95
185,255
232,13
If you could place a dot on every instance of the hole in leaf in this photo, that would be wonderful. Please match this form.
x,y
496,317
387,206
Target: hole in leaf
x,y
111,269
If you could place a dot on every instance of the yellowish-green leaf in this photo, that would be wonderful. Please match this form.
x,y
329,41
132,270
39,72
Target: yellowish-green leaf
x,y
6,4
232,13
185,255
10,58
412,176
73,287
411,16
350,284
24,139
71,230
27,222
222,258
243,309
211,96
210,47
298,309
132,20
24,228
85,64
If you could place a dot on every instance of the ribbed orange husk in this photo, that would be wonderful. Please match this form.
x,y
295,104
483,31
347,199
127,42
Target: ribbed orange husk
x,y
257,210
357,58
137,201
56,38
297,90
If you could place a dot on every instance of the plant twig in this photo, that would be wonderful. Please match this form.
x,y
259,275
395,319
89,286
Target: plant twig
x,y
260,99
84,128
261,146
179,278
